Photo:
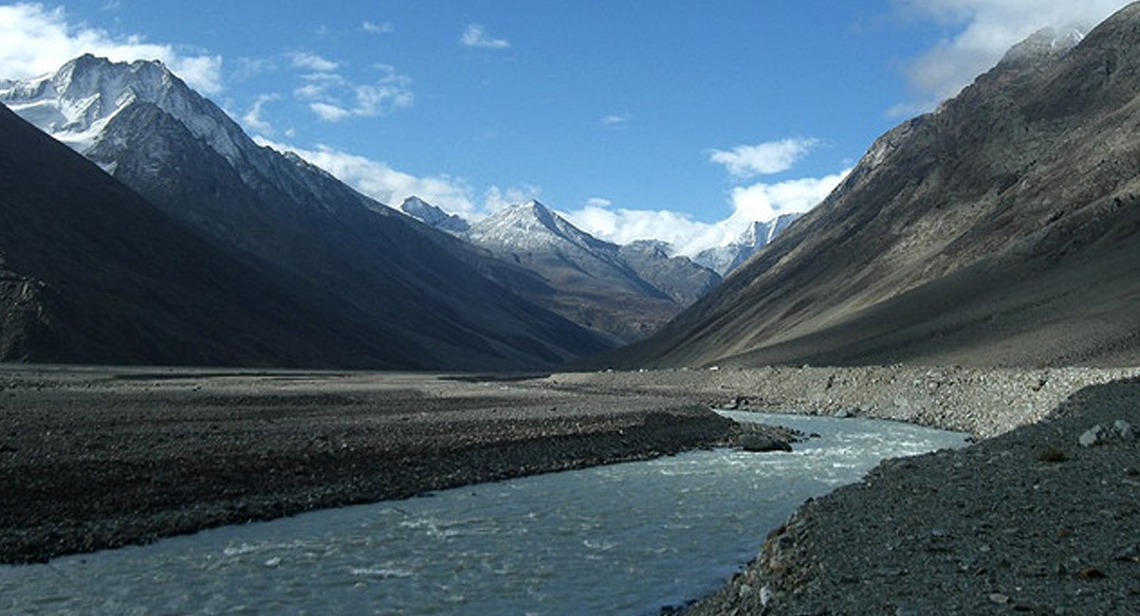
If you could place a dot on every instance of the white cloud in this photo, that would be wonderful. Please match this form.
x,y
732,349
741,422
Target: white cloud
x,y
622,226
253,119
378,28
598,202
615,120
765,201
383,183
759,202
495,199
329,112
312,62
745,161
38,40
476,36
985,30
334,98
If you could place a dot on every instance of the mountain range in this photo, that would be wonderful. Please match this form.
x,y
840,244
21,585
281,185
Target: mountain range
x,y
623,291
423,298
1001,229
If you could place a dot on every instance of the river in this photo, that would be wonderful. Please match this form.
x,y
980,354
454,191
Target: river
x,y
625,539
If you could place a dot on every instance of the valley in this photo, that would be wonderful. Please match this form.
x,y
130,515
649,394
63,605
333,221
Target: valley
x,y
199,330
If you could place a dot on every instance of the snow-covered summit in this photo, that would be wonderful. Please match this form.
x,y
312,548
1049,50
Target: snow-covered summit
x,y
433,216
533,226
724,259
76,103
1045,45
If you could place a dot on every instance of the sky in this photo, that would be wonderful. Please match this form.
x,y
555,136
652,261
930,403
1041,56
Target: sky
x,y
673,120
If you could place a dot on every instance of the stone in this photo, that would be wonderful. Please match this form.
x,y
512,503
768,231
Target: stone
x,y
1093,436
762,443
1124,430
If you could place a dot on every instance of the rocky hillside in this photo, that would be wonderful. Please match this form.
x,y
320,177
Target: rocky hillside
x,y
1002,229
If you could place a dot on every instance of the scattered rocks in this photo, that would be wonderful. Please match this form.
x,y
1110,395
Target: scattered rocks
x,y
1099,435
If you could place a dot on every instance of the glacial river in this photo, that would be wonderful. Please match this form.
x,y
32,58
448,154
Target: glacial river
x,y
614,540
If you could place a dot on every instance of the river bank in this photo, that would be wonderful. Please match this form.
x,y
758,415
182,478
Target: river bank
x,y
1026,520
99,458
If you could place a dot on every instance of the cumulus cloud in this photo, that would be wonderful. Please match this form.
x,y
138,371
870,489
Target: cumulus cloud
x,y
625,225
983,31
476,36
759,202
38,40
746,161
764,201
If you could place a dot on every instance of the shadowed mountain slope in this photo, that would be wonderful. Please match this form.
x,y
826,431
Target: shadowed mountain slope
x,y
1001,229
92,273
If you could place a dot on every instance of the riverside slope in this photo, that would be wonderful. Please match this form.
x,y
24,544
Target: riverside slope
x,y
1002,229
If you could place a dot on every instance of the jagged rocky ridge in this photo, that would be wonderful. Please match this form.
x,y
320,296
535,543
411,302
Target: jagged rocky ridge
x,y
1001,229
429,296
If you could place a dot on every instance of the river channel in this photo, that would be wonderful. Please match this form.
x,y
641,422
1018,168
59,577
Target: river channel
x,y
626,539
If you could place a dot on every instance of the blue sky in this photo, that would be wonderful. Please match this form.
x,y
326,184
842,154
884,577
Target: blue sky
x,y
679,120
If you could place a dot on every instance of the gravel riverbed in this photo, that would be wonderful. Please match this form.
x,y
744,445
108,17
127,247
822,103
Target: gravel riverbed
x,y
1042,515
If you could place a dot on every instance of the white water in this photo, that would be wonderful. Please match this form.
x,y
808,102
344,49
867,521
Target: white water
x,y
621,539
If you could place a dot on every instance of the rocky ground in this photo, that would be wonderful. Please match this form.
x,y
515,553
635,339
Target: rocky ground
x,y
99,458
1041,516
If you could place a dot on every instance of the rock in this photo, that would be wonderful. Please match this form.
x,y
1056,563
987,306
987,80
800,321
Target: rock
x,y
1124,430
842,414
1093,436
999,598
760,443
1089,572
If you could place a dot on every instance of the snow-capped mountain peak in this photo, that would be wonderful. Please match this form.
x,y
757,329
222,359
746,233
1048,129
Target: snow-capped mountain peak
x,y
76,103
532,226
433,216
724,259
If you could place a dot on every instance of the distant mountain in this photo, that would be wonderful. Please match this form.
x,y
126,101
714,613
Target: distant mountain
x,y
678,277
90,272
433,216
1002,229
724,259
359,261
624,292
